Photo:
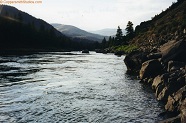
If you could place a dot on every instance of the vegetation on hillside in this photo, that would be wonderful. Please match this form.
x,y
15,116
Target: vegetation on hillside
x,y
21,31
168,25
121,42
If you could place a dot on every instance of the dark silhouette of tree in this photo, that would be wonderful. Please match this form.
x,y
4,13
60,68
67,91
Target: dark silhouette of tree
x,y
113,41
180,0
110,42
119,36
20,17
103,43
129,31
17,36
6,13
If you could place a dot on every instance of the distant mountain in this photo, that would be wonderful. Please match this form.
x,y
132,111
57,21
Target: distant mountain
x,y
74,32
19,30
107,32
14,13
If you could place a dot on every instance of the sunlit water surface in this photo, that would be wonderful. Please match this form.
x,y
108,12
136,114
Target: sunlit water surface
x,y
70,88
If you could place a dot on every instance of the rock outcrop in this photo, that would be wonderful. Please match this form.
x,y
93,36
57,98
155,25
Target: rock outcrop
x,y
100,51
174,50
165,71
150,69
134,61
119,53
85,51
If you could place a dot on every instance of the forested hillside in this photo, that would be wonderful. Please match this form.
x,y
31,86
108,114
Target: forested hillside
x,y
20,31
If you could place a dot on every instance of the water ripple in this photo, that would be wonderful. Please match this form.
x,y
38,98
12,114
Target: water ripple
x,y
72,87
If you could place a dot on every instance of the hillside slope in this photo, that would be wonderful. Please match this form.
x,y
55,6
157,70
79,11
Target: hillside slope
x,y
161,62
168,25
25,18
20,30
74,32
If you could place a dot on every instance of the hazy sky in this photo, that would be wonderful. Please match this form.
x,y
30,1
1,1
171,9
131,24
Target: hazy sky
x,y
96,14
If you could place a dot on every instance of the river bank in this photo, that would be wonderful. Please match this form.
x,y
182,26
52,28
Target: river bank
x,y
164,70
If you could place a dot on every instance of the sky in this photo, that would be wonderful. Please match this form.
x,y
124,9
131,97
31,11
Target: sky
x,y
93,15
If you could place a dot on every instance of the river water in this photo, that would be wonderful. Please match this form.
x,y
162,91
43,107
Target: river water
x,y
70,88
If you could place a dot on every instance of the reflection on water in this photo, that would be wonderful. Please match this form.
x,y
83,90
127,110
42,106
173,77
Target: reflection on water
x,y
58,87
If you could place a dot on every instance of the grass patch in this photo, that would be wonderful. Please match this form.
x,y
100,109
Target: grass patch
x,y
125,48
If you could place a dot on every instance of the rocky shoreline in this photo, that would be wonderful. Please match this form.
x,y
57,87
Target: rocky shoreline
x,y
164,69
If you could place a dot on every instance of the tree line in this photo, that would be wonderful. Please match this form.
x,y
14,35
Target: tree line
x,y
120,38
16,35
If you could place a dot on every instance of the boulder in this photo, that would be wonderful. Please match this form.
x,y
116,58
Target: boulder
x,y
134,61
160,79
119,53
85,51
170,84
100,51
172,104
159,90
174,65
175,101
150,68
163,94
183,116
154,56
173,50
176,119
157,80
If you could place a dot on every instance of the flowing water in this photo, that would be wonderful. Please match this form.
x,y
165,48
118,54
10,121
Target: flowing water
x,y
70,88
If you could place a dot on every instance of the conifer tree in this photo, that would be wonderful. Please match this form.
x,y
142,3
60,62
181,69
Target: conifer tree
x,y
110,42
103,43
129,30
119,36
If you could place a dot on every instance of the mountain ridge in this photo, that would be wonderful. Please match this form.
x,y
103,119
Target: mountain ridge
x,y
26,18
107,31
76,32
20,30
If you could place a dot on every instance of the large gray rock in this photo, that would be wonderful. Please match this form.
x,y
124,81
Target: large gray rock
x,y
183,115
175,101
85,51
156,82
154,56
134,61
174,50
174,65
160,79
163,94
150,69
119,53
159,89
168,84
176,119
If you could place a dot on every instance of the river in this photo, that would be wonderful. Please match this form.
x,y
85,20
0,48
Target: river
x,y
54,87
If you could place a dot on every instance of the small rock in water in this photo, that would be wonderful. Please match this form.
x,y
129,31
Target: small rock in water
x,y
85,51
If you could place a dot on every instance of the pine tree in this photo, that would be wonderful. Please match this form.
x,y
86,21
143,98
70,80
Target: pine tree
x,y
110,42
119,36
103,43
129,30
